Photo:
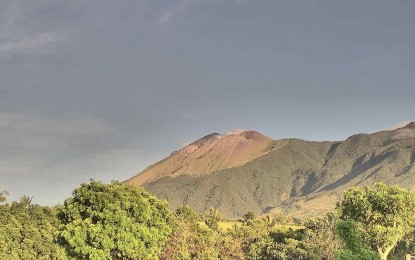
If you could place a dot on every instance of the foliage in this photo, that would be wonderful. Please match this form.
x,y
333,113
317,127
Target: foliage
x,y
260,241
191,240
282,220
255,239
212,219
297,221
353,243
113,221
229,245
27,231
3,195
322,233
385,214
249,216
291,249
185,213
406,246
119,221
269,221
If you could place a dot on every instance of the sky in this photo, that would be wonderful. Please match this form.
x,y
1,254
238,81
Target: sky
x,y
101,88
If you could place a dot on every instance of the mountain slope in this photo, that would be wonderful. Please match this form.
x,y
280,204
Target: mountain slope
x,y
251,172
211,153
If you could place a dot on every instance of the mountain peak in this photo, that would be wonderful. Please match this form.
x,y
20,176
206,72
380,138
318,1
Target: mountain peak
x,y
206,138
210,153
250,134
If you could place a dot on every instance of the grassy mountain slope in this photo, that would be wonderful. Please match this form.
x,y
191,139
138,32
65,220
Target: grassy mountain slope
x,y
250,172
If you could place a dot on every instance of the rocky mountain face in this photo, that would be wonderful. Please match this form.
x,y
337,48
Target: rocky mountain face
x,y
251,172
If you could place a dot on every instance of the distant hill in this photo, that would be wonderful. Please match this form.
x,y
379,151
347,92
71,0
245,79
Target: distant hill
x,y
248,171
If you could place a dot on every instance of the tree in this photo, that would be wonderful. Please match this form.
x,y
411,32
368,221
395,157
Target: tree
x,y
212,219
27,232
385,214
269,221
185,213
113,221
353,243
256,239
261,242
290,249
322,233
190,241
3,195
249,216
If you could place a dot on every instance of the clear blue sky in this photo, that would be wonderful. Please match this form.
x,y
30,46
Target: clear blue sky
x,y
101,89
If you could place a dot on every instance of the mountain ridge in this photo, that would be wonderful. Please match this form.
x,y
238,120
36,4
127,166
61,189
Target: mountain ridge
x,y
252,172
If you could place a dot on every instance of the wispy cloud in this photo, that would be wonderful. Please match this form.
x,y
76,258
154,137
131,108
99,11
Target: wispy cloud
x,y
173,12
236,131
40,43
17,38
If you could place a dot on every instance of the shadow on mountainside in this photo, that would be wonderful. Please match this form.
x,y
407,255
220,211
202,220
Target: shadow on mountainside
x,y
358,169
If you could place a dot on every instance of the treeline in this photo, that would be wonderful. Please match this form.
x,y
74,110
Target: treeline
x,y
120,221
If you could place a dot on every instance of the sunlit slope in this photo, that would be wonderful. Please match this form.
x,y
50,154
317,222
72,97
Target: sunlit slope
x,y
281,176
208,154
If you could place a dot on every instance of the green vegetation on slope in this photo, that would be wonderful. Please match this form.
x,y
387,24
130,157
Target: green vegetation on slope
x,y
295,177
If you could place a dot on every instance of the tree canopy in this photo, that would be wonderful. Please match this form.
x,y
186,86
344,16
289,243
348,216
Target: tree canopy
x,y
384,213
354,247
27,231
120,221
321,232
113,221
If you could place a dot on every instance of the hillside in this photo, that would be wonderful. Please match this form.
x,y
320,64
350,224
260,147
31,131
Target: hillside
x,y
251,172
209,154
